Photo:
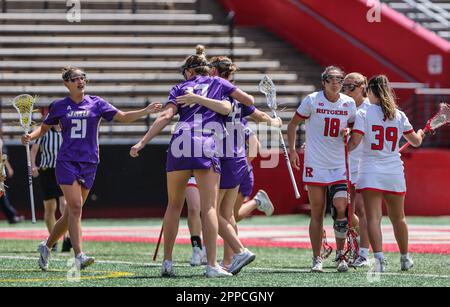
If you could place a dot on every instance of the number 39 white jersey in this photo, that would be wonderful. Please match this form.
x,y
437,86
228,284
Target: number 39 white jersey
x,y
324,120
381,140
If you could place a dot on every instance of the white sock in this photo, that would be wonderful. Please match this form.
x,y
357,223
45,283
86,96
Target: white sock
x,y
379,255
405,255
364,252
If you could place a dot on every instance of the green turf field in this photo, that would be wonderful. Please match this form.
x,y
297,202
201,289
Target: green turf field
x,y
129,264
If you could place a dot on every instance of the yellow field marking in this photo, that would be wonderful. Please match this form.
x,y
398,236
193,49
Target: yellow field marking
x,y
106,275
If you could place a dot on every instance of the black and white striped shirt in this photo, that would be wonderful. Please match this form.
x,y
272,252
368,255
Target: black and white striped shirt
x,y
49,146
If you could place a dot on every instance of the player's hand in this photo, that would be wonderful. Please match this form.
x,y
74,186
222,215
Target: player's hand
x,y
421,133
134,151
35,171
277,122
188,100
345,132
26,139
154,107
294,158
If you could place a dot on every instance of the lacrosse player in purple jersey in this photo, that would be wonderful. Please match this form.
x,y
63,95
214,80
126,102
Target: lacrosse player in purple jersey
x,y
79,116
200,103
234,169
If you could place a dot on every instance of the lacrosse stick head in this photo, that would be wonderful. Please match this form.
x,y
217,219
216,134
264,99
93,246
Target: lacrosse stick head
x,y
267,87
24,105
441,118
352,248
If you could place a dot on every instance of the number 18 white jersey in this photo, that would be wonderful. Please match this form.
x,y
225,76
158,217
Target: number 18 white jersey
x,y
381,140
324,120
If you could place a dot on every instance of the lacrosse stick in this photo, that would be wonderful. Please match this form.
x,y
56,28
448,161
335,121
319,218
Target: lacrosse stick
x,y
326,248
352,249
159,242
440,119
267,87
24,106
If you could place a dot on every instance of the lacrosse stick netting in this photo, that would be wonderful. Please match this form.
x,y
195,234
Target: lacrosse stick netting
x,y
267,87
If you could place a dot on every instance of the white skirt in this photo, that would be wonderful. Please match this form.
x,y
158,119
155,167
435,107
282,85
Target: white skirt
x,y
323,176
386,183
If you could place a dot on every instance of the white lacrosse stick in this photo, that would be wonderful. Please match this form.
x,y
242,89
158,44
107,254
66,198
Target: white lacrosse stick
x,y
24,106
267,87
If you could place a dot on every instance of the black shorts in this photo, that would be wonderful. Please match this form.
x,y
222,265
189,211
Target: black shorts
x,y
50,189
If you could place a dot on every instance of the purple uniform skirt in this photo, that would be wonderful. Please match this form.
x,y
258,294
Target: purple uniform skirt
x,y
233,172
67,172
246,188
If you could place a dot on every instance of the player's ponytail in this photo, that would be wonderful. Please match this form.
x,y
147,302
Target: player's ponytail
x,y
197,62
225,67
379,85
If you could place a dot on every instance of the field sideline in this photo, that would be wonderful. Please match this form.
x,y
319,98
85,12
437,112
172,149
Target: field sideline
x,y
123,250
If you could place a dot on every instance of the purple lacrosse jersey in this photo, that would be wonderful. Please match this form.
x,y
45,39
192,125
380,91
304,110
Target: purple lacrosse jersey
x,y
234,141
79,123
193,144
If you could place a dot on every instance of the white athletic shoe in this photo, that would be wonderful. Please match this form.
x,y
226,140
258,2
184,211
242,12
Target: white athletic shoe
x,y
216,272
361,262
341,263
241,260
406,263
265,205
44,255
380,265
317,266
82,261
204,257
167,269
197,255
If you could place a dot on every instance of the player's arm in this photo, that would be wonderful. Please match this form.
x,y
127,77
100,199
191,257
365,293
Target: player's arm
x,y
160,123
355,139
37,133
262,117
219,106
131,116
254,146
415,139
243,97
292,137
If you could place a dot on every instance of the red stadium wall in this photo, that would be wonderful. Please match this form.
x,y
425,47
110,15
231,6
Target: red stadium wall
x,y
337,32
426,170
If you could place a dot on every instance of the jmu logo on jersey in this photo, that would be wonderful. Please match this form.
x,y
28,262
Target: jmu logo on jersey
x,y
78,114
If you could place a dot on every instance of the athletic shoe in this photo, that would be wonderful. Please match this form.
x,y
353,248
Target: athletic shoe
x,y
360,262
44,255
216,272
406,263
317,266
241,260
197,255
223,266
380,265
265,205
342,265
67,245
167,269
82,261
204,257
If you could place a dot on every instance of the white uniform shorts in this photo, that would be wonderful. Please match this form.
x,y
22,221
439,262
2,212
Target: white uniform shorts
x,y
323,176
387,183
192,182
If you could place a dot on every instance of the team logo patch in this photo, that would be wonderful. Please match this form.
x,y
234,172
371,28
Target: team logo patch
x,y
345,104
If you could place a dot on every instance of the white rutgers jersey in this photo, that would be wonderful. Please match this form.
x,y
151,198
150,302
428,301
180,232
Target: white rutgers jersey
x,y
356,154
324,120
381,140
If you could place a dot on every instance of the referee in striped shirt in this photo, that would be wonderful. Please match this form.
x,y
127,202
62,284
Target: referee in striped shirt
x,y
48,147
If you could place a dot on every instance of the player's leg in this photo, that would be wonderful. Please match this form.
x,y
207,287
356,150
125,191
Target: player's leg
x,y
373,206
176,186
49,213
316,196
363,259
396,212
195,224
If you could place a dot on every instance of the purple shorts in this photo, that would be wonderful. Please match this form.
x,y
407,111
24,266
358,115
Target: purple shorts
x,y
246,187
178,159
233,172
84,172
